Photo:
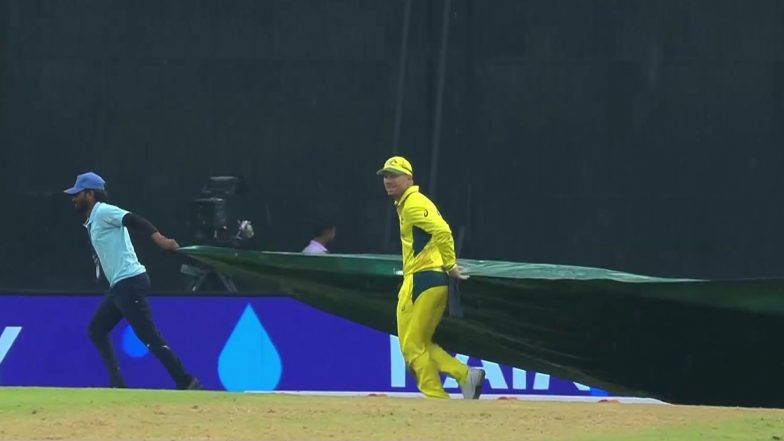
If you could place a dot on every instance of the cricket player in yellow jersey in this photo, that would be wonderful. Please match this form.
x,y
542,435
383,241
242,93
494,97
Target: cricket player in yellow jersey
x,y
428,260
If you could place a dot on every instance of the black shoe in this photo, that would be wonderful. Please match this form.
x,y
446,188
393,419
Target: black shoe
x,y
116,381
195,384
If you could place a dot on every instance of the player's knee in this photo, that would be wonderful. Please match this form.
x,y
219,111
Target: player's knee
x,y
95,334
412,350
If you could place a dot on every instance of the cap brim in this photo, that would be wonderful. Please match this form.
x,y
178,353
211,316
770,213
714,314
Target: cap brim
x,y
72,191
393,171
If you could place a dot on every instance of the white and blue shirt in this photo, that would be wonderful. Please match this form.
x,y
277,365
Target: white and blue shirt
x,y
112,243
315,247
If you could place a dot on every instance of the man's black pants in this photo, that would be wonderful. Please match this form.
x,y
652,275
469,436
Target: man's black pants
x,y
128,299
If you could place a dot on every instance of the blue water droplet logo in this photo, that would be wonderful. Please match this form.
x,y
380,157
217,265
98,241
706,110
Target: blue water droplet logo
x,y
132,345
249,359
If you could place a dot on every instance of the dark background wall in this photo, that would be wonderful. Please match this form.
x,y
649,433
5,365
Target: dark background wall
x,y
638,135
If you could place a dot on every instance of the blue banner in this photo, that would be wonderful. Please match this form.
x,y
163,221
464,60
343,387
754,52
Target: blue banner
x,y
229,343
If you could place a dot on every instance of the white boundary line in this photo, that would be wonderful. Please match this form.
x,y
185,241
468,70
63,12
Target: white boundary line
x,y
522,397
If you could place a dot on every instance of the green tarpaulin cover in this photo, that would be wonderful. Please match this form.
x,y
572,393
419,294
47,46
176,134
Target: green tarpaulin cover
x,y
679,340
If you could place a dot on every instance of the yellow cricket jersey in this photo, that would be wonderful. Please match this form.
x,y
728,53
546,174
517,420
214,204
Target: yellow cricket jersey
x,y
426,237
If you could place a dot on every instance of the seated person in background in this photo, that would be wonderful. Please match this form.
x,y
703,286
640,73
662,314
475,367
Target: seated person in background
x,y
323,236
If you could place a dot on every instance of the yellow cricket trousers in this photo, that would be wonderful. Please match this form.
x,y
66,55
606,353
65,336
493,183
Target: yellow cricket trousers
x,y
420,306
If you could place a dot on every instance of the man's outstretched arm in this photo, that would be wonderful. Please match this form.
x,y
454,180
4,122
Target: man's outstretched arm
x,y
139,224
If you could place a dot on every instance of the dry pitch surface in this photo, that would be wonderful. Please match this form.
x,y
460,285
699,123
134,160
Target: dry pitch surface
x,y
95,414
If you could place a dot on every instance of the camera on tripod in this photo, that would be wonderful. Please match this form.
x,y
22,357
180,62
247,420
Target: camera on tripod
x,y
209,218
211,214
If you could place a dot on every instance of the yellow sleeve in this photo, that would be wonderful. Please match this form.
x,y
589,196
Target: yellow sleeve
x,y
422,213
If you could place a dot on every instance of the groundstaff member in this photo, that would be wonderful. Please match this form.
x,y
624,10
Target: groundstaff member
x,y
107,227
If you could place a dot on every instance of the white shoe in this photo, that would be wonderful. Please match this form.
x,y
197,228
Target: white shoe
x,y
472,388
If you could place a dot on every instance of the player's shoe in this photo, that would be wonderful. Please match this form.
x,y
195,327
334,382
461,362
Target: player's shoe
x,y
472,388
195,384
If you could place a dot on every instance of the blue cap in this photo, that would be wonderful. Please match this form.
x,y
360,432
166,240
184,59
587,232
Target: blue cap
x,y
87,181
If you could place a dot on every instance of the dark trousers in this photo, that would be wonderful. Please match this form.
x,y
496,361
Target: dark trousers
x,y
128,299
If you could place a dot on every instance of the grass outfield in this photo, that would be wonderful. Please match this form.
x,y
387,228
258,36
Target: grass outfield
x,y
97,414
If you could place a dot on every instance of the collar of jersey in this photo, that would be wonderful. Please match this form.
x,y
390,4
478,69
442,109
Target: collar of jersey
x,y
411,190
92,215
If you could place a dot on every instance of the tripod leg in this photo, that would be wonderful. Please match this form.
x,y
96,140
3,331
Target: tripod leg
x,y
196,283
228,283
